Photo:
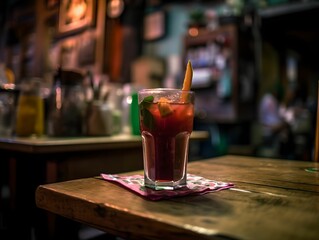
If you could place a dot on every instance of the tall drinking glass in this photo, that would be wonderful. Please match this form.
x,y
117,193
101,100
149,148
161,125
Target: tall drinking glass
x,y
166,122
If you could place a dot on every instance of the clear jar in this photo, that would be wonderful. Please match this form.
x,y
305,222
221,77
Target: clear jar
x,y
66,111
8,101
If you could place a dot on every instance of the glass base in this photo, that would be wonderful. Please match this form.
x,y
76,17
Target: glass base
x,y
163,185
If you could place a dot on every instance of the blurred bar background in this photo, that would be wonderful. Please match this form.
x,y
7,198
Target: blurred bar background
x,y
71,69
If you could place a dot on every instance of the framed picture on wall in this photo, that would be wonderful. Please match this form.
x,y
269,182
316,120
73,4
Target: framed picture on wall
x,y
154,25
76,15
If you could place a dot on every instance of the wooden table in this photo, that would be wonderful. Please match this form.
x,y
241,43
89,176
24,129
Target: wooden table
x,y
34,161
272,199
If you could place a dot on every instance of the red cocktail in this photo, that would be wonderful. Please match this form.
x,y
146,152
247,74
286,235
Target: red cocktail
x,y
166,122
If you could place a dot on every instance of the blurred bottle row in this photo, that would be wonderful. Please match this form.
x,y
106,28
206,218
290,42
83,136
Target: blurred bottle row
x,y
74,105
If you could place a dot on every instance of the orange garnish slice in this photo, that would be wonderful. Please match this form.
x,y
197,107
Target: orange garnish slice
x,y
164,107
187,80
10,75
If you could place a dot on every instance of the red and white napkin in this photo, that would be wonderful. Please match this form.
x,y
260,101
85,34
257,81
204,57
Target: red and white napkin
x,y
196,185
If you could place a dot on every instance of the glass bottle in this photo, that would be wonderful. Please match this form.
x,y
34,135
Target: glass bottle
x,y
30,109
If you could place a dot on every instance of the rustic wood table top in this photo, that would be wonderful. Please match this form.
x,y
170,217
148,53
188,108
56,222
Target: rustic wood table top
x,y
271,199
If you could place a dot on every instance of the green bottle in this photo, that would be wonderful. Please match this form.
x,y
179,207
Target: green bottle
x,y
134,115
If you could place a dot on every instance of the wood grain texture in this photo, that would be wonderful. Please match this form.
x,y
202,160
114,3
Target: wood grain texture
x,y
272,199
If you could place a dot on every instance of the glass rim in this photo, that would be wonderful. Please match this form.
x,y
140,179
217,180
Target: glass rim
x,y
164,90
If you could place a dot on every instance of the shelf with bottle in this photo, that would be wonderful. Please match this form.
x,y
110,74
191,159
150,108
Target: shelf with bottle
x,y
287,8
210,52
223,73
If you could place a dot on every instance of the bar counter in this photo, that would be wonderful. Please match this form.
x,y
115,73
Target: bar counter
x,y
118,153
68,144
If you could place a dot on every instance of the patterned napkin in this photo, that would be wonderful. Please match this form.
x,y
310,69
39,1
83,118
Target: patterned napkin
x,y
196,185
